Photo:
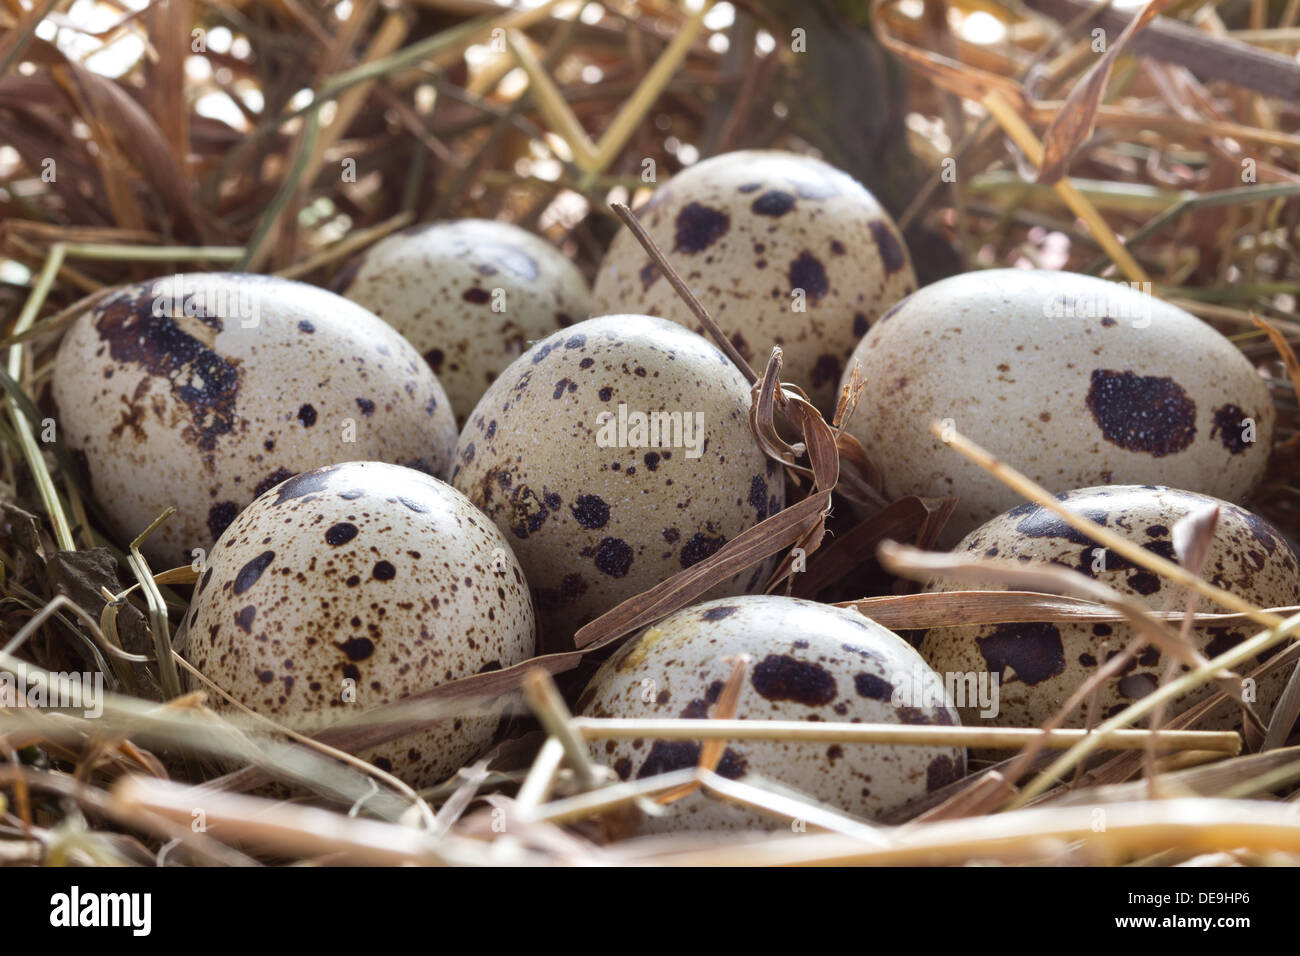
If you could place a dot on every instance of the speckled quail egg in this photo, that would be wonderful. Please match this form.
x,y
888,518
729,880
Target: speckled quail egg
x,y
1041,664
613,455
469,295
1074,380
782,249
808,661
202,391
354,585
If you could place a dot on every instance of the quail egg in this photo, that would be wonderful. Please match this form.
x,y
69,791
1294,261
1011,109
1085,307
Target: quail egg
x,y
1039,665
1074,380
782,249
203,391
354,585
809,661
469,295
613,455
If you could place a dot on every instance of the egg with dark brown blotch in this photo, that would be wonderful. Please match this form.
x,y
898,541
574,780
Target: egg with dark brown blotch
x,y
1073,380
204,390
808,661
353,586
470,295
782,249
614,455
1039,665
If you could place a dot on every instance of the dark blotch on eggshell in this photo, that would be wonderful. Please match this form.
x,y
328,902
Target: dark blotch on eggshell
x,y
1142,413
571,588
698,227
358,648
941,771
614,557
700,547
1034,651
340,533
271,480
891,250
872,687
1039,522
808,273
308,483
774,202
206,383
251,571
1229,424
219,517
758,496
781,677
590,511
827,369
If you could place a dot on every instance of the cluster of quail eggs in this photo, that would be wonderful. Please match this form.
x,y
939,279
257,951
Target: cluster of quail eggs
x,y
462,455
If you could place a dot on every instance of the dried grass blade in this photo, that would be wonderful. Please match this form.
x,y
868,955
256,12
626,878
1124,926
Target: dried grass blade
x,y
1073,125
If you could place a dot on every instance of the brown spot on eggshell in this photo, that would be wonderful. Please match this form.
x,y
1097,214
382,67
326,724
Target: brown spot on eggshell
x,y
250,573
698,227
699,547
1143,413
808,273
202,380
1229,427
888,244
271,480
718,613
940,772
219,517
774,203
614,557
340,533
1033,651
781,677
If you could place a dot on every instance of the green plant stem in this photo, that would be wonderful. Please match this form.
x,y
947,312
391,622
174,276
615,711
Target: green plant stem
x,y
168,676
1224,197
26,438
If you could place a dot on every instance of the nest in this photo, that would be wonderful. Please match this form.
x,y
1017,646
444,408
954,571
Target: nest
x,y
283,138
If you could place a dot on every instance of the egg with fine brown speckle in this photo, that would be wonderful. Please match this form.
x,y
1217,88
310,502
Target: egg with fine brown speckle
x,y
782,249
1040,664
808,661
470,295
355,585
1071,379
202,391
613,455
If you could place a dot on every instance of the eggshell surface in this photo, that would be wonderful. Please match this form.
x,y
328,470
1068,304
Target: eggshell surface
x,y
471,295
1041,664
808,661
598,503
1070,379
205,393
782,249
355,585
